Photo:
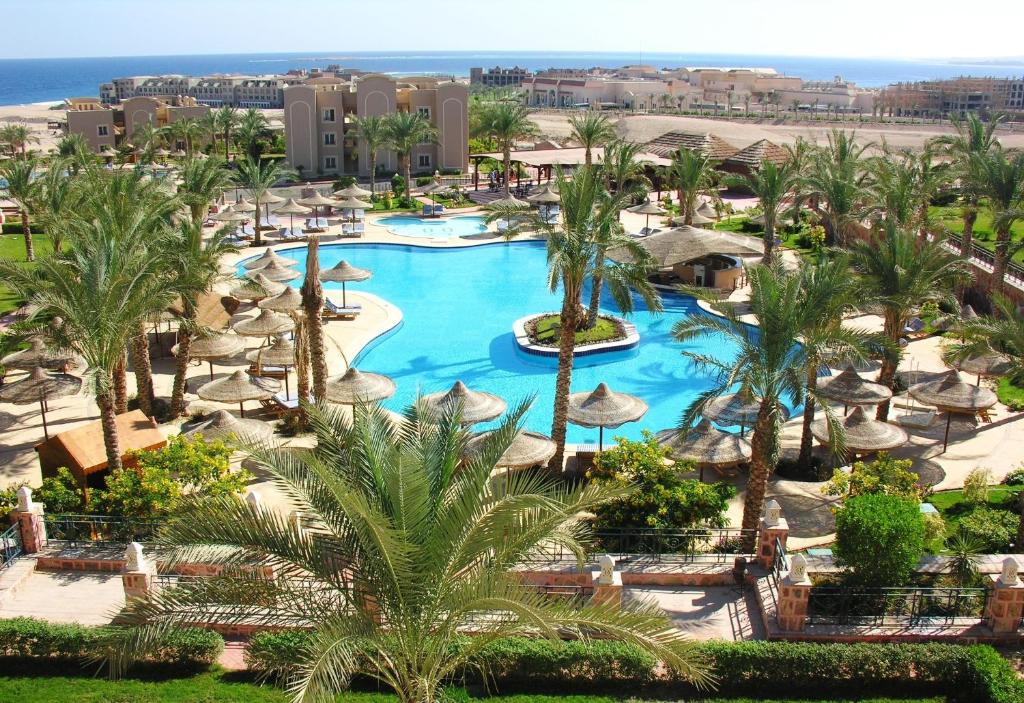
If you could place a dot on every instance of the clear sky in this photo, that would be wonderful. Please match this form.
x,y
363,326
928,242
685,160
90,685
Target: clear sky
x,y
862,28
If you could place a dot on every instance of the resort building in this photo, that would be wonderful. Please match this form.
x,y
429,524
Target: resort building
x,y
104,125
956,96
600,92
318,116
498,77
217,90
838,94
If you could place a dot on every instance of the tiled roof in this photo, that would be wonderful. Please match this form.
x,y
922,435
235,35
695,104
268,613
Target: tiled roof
x,y
714,147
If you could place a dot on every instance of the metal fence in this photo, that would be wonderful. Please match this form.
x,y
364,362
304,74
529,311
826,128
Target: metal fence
x,y
697,544
10,546
1014,271
917,606
780,567
101,530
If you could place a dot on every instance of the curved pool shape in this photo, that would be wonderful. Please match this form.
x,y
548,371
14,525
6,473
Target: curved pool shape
x,y
434,228
459,305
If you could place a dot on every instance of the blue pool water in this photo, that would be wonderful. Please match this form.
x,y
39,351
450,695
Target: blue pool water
x,y
434,228
459,305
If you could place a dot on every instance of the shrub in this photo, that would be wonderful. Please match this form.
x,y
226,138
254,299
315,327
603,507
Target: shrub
x,y
976,484
344,182
276,654
994,530
424,180
398,183
883,475
60,493
879,539
934,531
1015,477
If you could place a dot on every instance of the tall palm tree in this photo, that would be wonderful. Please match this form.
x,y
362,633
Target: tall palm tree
x,y
59,198
691,173
505,122
397,552
75,147
898,273
313,326
148,138
211,129
252,126
772,184
575,245
837,182
227,120
904,184
17,137
23,189
407,130
257,177
999,176
188,130
591,130
202,182
373,132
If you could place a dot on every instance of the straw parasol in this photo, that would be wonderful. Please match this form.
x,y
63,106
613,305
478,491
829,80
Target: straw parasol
x,y
257,287
353,204
287,300
603,407
281,352
243,205
707,210
544,196
213,346
353,191
291,208
737,409
238,388
526,449
38,354
315,201
278,273
863,434
952,394
648,208
265,324
355,386
509,202
229,214
992,364
162,152
40,387
477,406
268,256
849,389
707,445
268,200
225,426
432,190
343,272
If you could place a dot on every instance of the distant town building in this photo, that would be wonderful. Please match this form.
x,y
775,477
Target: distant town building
x,y
955,96
498,77
110,126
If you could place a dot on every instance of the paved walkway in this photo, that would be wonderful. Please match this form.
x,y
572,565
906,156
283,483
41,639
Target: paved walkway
x,y
66,597
710,613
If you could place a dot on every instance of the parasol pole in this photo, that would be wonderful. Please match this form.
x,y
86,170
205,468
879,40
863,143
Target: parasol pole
x,y
42,411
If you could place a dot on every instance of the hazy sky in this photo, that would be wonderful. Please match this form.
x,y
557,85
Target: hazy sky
x,y
864,28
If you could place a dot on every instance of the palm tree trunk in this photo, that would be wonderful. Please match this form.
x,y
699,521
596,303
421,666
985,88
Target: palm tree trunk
x,y
26,228
588,158
408,174
1002,254
373,172
563,381
143,369
596,283
121,385
256,240
763,445
301,370
806,439
506,156
967,238
181,364
227,146
313,303
108,422
887,374
769,238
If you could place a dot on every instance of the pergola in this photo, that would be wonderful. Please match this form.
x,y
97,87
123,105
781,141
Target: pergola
x,y
545,160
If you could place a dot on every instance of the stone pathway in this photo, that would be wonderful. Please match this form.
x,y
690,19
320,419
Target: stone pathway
x,y
66,597
713,612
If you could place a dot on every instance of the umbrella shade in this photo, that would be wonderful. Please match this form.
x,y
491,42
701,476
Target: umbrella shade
x,y
353,191
315,200
38,354
265,259
707,210
986,365
344,272
281,352
353,204
510,201
257,288
292,208
862,433
527,449
545,196
648,208
238,388
229,214
435,188
222,425
355,386
265,324
40,386
287,300
706,444
276,272
477,406
696,219
736,409
244,205
214,346
951,392
603,407
850,389
271,198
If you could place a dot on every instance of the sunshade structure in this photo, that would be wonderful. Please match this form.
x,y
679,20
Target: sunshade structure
x,y
603,407
40,387
267,257
986,365
862,434
266,324
649,208
683,244
952,394
256,288
162,152
292,208
316,201
545,196
280,353
526,450
212,347
509,202
477,406
268,200
706,445
276,272
343,272
244,205
222,425
229,214
432,190
849,389
287,300
238,388
353,204
179,154
355,386
707,210
353,191
737,409
38,354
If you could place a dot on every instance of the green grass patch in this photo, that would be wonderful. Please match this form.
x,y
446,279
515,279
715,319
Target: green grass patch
x,y
790,239
1010,394
952,218
12,246
544,331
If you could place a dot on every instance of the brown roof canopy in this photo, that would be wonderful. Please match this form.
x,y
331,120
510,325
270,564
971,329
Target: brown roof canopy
x,y
82,449
750,157
706,143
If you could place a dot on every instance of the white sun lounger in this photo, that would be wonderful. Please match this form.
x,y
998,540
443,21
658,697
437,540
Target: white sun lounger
x,y
333,310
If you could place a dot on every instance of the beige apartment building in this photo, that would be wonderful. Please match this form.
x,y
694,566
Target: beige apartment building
x,y
318,118
103,125
956,96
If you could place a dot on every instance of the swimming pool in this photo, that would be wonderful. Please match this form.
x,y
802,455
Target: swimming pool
x,y
459,305
434,228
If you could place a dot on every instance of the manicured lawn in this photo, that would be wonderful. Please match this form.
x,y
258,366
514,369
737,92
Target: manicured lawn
x,y
953,509
605,330
12,246
1010,395
739,226
984,234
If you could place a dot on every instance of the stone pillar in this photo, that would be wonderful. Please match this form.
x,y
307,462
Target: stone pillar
x,y
28,516
139,572
607,583
772,527
1005,599
794,592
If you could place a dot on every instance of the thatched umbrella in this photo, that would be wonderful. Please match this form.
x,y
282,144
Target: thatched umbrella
x,y
353,191
343,272
706,445
353,204
432,190
526,449
603,407
952,394
509,202
992,364
291,208
267,257
229,214
238,388
40,387
278,273
849,389
281,352
477,406
213,346
224,426
266,324
544,196
316,201
268,200
288,300
256,288
243,205
707,210
737,409
355,386
38,354
648,208
863,434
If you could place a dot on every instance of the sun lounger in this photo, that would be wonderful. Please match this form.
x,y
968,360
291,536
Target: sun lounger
x,y
293,235
248,231
359,229
209,222
268,223
280,404
347,229
318,223
333,311
438,210
915,324
427,211
919,420
264,371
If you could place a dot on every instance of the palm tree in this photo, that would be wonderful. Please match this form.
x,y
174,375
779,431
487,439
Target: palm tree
x,y
188,130
589,226
148,138
313,326
257,177
227,120
772,184
691,174
590,129
59,198
252,126
407,130
905,182
23,189
75,147
898,273
837,181
202,182
211,129
17,137
395,553
1000,178
373,132
506,123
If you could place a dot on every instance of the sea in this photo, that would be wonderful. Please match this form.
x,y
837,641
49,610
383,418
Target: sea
x,y
48,80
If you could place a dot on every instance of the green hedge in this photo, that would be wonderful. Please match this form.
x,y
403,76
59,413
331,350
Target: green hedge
x,y
782,669
28,637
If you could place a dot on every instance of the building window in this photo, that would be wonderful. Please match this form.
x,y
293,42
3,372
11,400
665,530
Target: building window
x,y
424,161
330,163
329,114
423,112
101,130
329,139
